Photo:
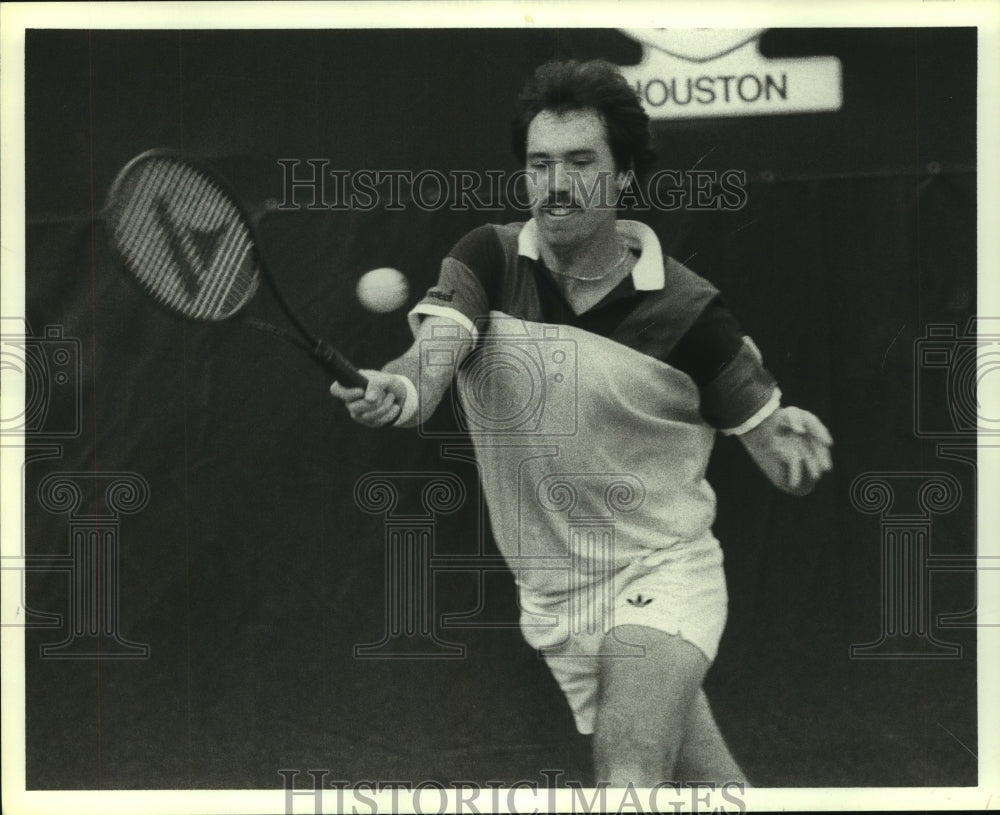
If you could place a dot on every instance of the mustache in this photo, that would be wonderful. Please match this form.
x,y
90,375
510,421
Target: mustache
x,y
560,201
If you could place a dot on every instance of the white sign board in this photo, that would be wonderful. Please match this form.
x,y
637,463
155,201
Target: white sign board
x,y
699,72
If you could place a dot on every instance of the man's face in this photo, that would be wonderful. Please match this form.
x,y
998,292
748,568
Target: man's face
x,y
571,177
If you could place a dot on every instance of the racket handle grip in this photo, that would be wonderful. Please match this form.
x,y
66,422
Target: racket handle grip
x,y
340,366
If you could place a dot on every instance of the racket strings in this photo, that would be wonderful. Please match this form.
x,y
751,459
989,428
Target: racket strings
x,y
184,240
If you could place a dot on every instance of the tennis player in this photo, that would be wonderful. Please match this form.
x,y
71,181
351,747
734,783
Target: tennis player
x,y
642,365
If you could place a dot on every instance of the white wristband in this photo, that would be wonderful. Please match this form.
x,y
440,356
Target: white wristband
x,y
758,418
410,405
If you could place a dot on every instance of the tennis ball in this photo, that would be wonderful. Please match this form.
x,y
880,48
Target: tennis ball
x,y
383,290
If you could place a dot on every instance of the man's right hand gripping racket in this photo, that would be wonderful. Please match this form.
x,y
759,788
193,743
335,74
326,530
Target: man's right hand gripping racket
x,y
190,245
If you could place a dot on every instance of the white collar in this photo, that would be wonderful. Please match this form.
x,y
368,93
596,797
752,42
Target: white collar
x,y
647,274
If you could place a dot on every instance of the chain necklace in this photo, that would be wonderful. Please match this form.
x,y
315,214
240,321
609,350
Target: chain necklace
x,y
618,263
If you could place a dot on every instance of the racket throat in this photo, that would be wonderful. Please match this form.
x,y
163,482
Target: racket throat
x,y
322,352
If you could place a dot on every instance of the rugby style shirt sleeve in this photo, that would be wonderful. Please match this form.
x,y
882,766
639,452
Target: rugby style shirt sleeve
x,y
737,391
467,283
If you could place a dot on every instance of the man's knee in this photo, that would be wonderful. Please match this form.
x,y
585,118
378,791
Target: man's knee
x,y
644,695
663,655
644,701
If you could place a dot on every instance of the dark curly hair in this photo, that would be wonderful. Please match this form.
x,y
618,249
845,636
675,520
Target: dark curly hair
x,y
562,86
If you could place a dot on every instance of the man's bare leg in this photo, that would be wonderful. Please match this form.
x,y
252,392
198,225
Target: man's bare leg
x,y
644,706
704,755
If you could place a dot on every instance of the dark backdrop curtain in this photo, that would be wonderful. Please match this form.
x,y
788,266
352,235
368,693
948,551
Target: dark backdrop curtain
x,y
251,573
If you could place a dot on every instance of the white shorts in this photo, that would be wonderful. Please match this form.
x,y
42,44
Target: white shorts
x,y
680,590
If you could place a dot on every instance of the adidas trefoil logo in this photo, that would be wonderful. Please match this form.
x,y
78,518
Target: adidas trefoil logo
x,y
639,601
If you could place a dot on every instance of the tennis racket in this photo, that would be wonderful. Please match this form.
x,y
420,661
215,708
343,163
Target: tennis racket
x,y
184,238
